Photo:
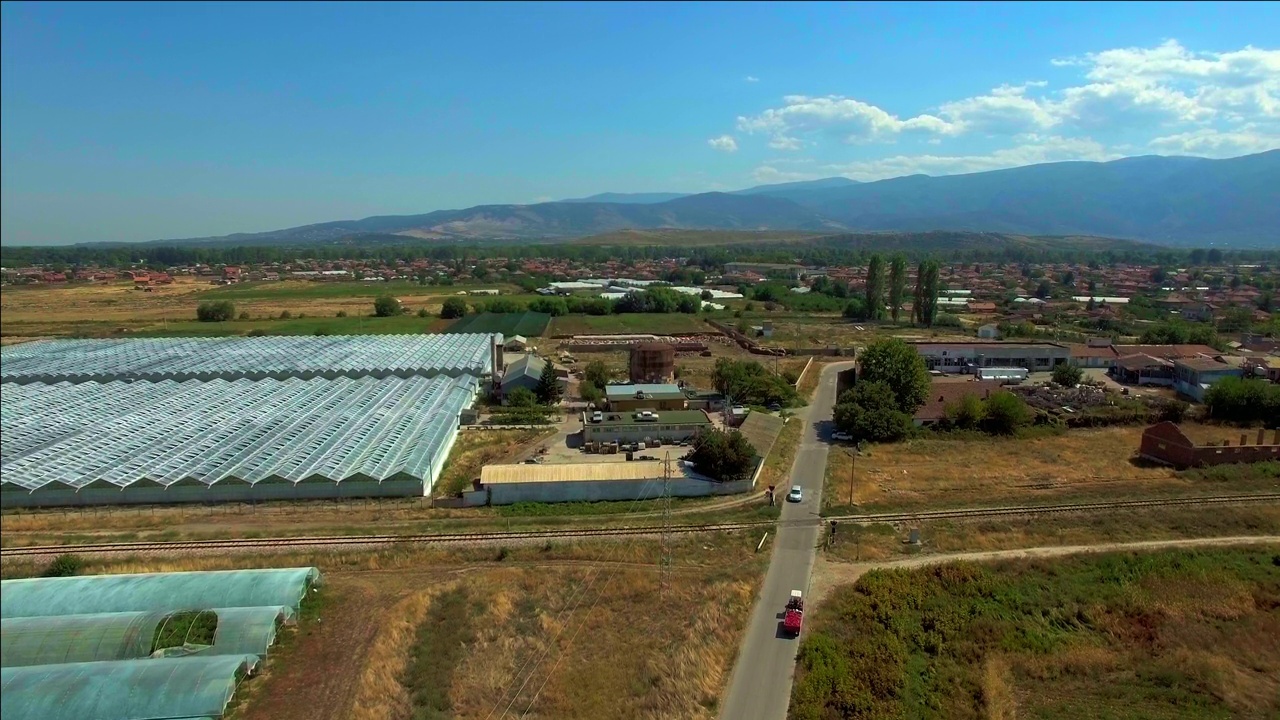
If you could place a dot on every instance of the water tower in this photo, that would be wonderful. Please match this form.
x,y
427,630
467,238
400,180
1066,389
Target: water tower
x,y
652,363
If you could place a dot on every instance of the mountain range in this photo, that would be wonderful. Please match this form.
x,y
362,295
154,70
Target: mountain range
x,y
1167,200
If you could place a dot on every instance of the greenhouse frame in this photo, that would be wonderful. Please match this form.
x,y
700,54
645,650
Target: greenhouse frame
x,y
216,441
232,358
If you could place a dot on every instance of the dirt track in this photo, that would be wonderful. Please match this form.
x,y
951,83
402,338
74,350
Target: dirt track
x,y
828,574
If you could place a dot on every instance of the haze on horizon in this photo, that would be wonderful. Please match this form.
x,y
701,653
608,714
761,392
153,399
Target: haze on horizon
x,y
136,122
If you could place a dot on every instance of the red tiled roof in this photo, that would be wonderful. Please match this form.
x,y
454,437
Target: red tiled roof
x,y
942,394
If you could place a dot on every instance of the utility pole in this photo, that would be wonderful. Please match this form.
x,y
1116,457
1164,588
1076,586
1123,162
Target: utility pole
x,y
664,562
853,464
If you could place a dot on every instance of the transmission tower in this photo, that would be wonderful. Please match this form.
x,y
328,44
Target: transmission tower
x,y
664,562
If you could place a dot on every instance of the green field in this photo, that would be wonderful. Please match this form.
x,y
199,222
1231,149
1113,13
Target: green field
x,y
528,324
656,323
1176,634
352,325
303,289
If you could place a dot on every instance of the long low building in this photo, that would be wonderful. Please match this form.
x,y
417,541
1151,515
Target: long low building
x,y
667,426
590,482
965,357
232,358
241,440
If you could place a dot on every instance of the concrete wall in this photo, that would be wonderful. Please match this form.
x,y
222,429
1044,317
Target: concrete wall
x,y
1166,443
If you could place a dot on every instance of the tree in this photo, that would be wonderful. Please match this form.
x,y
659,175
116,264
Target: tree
x,y
1157,275
1067,374
722,455
900,367
596,373
870,412
1005,413
548,391
1236,319
522,397
897,285
747,381
453,308
215,311
1043,289
1069,279
387,306
1244,400
855,309
926,295
1093,286
875,287
967,413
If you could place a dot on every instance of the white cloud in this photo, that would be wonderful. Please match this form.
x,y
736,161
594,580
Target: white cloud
x,y
1166,97
751,79
1032,149
850,119
1207,142
768,175
724,143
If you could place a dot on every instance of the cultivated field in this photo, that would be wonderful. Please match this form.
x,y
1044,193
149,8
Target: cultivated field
x,y
1077,465
1172,634
118,309
648,323
462,633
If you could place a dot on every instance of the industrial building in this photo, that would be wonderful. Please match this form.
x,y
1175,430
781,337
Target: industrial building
x,y
254,419
1193,377
666,426
648,396
965,357
525,372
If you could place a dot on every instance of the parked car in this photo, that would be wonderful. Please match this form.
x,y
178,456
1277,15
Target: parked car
x,y
841,435
796,494
774,407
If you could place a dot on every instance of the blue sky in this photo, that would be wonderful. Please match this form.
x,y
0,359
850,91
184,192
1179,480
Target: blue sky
x,y
129,122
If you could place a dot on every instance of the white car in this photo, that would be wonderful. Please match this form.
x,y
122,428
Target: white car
x,y
841,435
796,494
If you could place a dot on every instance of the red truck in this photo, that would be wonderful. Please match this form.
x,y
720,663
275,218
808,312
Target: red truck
x,y
793,616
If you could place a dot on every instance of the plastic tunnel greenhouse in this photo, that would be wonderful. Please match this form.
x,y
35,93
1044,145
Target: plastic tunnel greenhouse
x,y
161,592
152,689
100,637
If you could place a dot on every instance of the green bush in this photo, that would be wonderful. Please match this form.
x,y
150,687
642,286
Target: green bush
x,y
721,455
870,412
387,306
64,566
422,313
215,311
453,308
900,367
1067,374
1004,413
1244,400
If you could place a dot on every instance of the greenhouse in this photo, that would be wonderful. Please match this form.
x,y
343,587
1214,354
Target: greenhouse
x,y
155,592
191,687
231,358
136,635
240,440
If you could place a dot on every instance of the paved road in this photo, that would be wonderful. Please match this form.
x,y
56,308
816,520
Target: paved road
x,y
760,686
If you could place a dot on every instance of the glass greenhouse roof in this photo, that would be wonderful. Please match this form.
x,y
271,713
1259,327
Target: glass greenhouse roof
x,y
120,433
245,357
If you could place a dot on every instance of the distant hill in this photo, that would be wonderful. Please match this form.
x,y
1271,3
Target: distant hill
x,y
1169,200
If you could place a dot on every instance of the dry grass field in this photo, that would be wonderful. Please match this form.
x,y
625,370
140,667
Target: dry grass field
x,y
106,309
386,639
476,448
884,541
1077,465
1127,635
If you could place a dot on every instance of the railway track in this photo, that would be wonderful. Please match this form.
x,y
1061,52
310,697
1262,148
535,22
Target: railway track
x,y
358,541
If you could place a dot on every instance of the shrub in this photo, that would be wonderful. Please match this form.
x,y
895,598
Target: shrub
x,y
870,412
244,315
422,313
453,308
521,397
1005,413
387,306
215,311
256,332
286,315
1240,400
1067,374
967,413
64,565
342,313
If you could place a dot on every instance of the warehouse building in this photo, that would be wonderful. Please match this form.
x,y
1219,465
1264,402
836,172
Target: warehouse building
x,y
591,482
965,357
665,426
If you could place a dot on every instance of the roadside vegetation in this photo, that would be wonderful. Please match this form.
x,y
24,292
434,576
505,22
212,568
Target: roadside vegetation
x,y
1161,635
